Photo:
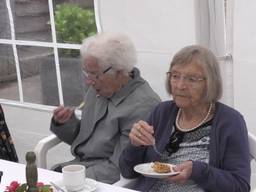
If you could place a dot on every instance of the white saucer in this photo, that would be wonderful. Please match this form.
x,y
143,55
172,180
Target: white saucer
x,y
90,185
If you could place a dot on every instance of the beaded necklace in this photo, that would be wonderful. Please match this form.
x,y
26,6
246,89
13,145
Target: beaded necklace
x,y
198,125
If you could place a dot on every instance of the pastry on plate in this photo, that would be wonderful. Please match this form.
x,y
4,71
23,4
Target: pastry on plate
x,y
161,167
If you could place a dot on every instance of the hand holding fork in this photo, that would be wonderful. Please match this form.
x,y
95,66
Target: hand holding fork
x,y
143,134
62,114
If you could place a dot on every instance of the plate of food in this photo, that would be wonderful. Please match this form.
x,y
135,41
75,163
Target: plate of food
x,y
156,169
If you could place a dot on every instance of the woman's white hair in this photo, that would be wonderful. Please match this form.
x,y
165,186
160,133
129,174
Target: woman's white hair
x,y
114,50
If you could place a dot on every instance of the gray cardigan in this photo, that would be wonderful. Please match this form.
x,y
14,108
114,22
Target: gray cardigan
x,y
229,164
103,134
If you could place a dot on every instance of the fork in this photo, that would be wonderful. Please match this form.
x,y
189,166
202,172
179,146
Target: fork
x,y
1,174
80,106
158,152
57,187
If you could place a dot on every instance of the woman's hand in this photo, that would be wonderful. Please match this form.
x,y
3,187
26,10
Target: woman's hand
x,y
142,134
62,114
185,170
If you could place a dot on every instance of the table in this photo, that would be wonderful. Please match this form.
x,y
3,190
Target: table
x,y
16,172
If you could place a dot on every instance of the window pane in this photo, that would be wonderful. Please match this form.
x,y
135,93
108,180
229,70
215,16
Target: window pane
x,y
8,78
49,81
32,20
4,22
37,65
71,77
38,75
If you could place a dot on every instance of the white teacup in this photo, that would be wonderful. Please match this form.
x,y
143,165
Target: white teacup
x,y
73,177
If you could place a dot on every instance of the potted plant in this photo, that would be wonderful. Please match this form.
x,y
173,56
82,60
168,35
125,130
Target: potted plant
x,y
73,24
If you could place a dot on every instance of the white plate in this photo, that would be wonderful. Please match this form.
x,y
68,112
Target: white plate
x,y
90,185
147,170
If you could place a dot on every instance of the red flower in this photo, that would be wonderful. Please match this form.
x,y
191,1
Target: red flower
x,y
39,184
13,186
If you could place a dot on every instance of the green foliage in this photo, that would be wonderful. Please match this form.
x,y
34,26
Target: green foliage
x,y
44,188
73,24
22,188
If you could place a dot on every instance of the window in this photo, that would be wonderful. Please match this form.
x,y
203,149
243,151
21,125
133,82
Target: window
x,y
37,64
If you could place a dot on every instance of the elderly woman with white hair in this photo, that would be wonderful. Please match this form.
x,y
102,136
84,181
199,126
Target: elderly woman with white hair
x,y
205,140
116,98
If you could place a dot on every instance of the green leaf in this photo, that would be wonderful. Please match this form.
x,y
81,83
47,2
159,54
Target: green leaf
x,y
45,188
22,188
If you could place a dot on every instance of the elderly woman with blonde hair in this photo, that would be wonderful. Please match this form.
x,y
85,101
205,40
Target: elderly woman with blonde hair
x,y
205,140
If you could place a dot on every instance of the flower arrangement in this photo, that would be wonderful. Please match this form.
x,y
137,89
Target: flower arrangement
x,y
15,186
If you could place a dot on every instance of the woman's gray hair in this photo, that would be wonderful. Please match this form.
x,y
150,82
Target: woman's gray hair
x,y
205,58
114,50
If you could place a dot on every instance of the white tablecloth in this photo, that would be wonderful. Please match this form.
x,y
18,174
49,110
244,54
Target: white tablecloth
x,y
16,172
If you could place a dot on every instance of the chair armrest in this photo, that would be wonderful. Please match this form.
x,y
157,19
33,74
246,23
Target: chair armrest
x,y
123,182
252,145
43,147
253,182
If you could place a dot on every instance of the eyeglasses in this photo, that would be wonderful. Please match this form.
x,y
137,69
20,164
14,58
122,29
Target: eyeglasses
x,y
174,141
187,79
94,76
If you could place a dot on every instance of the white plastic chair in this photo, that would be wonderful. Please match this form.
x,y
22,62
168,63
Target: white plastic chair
x,y
123,182
42,148
252,145
45,144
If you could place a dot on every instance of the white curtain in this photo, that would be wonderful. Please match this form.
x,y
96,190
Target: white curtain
x,y
211,32
245,60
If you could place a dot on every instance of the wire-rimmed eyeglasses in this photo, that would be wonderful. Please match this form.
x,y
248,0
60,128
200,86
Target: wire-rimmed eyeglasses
x,y
94,76
187,79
